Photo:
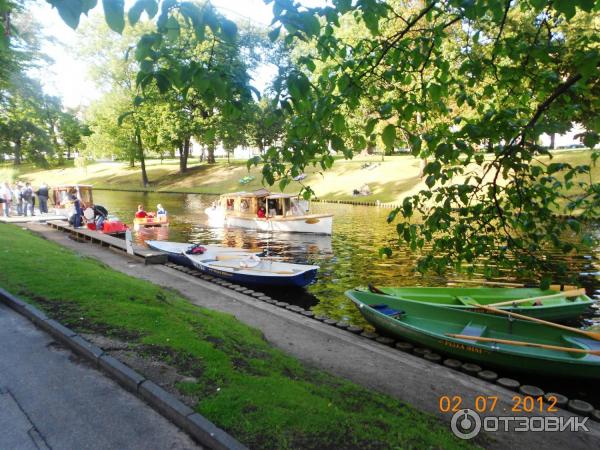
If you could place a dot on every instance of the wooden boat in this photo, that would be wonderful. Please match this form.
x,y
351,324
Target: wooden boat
x,y
150,221
175,251
252,270
533,348
559,308
261,210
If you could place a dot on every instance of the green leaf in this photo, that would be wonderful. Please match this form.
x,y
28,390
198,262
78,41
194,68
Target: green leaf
x,y
69,10
114,13
385,251
370,126
137,101
339,124
435,92
283,183
201,83
567,7
135,12
123,116
389,136
229,29
173,29
337,143
274,34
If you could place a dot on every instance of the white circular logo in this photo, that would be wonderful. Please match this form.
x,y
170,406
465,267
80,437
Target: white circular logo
x,y
465,424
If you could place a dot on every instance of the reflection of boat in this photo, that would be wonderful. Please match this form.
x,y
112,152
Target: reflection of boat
x,y
252,270
556,308
499,341
176,250
264,211
150,221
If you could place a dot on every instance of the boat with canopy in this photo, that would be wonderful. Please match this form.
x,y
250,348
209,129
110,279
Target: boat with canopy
x,y
264,211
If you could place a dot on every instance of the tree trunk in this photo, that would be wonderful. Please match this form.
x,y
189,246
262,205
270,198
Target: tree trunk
x,y
68,152
141,158
553,140
17,152
184,153
211,154
132,159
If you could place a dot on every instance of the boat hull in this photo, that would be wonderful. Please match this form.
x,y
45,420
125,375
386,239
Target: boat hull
x,y
554,310
301,279
175,251
315,223
443,320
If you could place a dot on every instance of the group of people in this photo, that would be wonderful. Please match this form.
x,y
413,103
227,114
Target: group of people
x,y
142,214
20,198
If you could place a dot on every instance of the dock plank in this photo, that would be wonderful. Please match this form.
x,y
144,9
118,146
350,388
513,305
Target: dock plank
x,y
150,256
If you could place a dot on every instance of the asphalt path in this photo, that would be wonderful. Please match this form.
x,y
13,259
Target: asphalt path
x,y
52,399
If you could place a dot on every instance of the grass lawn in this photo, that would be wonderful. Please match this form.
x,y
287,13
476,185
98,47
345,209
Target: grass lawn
x,y
261,396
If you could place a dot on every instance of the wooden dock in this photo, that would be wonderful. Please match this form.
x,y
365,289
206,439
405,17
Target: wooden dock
x,y
29,219
83,234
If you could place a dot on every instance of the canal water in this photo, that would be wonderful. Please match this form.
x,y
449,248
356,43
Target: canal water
x,y
347,259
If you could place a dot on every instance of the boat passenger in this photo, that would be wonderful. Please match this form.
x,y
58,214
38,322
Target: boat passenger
x,y
160,211
141,214
261,213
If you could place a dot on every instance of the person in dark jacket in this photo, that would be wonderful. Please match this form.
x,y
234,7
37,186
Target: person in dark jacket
x,y
27,196
42,194
100,215
77,215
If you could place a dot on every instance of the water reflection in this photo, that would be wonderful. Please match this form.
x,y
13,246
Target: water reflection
x,y
347,259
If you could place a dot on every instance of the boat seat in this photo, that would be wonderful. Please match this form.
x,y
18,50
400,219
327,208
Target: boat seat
x,y
473,330
388,311
468,301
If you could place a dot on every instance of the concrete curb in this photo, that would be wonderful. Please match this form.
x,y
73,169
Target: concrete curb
x,y
200,428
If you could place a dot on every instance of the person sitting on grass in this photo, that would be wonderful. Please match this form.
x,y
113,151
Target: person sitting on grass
x,y
141,214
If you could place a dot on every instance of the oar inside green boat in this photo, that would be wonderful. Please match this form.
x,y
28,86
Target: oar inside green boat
x,y
524,344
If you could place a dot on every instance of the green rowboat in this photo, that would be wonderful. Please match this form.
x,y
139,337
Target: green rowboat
x,y
430,326
553,309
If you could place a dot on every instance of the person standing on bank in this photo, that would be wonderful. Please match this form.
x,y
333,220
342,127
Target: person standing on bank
x,y
17,198
27,195
42,194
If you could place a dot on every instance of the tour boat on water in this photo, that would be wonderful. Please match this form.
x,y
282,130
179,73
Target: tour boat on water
x,y
264,211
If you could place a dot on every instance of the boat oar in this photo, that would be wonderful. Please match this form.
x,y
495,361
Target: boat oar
x,y
523,344
490,283
573,293
590,334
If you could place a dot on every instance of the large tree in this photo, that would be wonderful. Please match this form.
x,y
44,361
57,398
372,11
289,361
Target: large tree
x,y
454,78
